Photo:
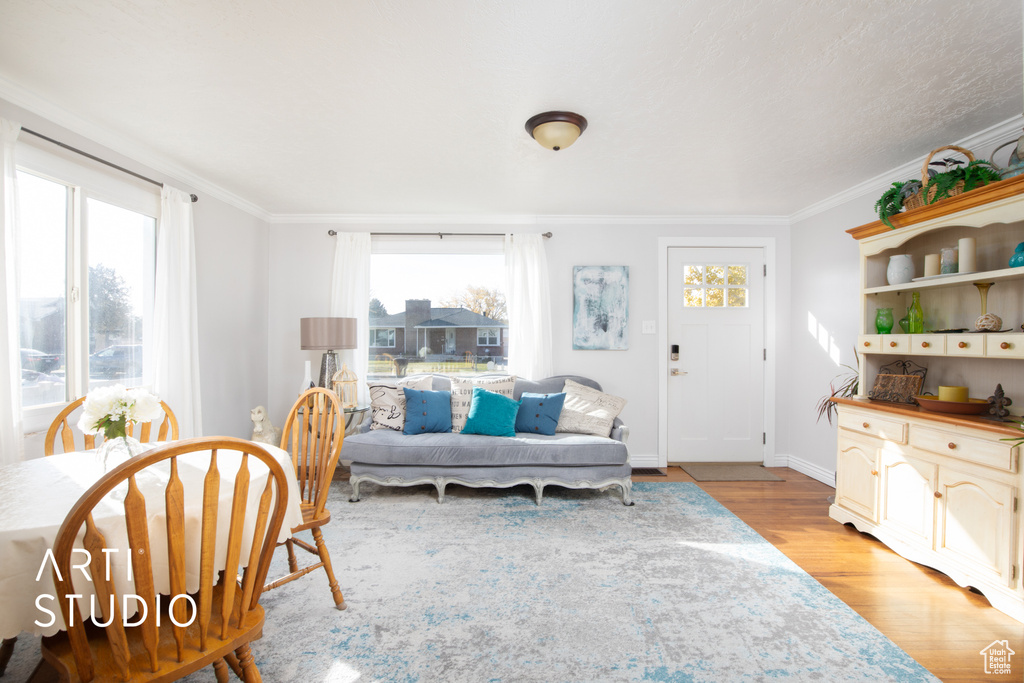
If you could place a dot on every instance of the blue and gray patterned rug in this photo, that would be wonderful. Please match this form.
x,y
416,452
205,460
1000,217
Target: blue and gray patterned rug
x,y
491,587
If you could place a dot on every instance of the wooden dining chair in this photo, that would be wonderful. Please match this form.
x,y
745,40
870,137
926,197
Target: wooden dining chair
x,y
313,434
225,613
62,426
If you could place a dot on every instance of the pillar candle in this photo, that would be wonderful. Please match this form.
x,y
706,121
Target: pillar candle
x,y
968,255
931,265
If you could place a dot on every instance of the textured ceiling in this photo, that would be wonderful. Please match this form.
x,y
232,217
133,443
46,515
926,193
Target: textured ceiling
x,y
387,106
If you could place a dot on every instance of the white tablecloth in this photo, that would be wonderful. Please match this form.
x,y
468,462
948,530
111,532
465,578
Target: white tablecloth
x,y
36,496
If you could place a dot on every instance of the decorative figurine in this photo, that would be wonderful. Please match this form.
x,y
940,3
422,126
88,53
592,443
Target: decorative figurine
x,y
999,402
263,431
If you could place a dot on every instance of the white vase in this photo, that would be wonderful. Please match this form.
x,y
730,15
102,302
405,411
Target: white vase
x,y
900,270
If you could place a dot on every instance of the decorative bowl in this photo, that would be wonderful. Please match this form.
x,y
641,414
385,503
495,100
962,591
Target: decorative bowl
x,y
973,406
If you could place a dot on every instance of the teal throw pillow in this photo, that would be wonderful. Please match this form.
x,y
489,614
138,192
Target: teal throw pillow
x,y
539,413
427,411
491,414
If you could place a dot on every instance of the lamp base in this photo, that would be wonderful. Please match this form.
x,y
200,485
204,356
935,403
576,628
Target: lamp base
x,y
328,366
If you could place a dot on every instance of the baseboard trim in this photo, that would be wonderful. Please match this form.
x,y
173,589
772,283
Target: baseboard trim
x,y
804,467
644,460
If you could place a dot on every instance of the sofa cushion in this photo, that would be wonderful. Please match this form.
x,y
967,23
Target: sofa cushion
x,y
427,411
385,447
387,402
539,413
462,394
491,414
588,411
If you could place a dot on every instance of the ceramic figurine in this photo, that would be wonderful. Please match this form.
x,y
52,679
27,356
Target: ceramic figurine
x,y
263,431
999,402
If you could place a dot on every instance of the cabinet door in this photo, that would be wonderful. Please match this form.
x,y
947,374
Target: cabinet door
x,y
976,523
857,475
908,496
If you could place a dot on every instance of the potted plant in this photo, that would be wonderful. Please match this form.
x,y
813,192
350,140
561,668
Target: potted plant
x,y
848,385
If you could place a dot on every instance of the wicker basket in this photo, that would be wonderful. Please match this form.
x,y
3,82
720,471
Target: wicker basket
x,y
917,200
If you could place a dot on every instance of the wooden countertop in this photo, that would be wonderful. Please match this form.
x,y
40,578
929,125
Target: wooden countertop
x,y
1009,429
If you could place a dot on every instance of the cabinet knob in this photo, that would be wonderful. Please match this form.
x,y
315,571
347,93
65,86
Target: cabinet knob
x,y
867,343
874,473
1004,345
951,446
925,345
892,344
866,425
962,345
938,494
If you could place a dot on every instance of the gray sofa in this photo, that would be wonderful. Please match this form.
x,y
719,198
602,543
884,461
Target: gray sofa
x,y
390,458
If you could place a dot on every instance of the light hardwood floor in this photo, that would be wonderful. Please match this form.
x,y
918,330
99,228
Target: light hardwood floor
x,y
940,624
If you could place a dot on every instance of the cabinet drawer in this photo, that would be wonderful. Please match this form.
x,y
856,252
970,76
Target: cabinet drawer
x,y
895,343
874,425
1004,345
997,454
928,344
965,345
869,343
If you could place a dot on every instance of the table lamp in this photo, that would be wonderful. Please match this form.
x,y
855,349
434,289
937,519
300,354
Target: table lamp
x,y
327,334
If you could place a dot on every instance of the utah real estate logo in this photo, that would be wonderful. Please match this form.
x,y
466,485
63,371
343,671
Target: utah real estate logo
x,y
997,656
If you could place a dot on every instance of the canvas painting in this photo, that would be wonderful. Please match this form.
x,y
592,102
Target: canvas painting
x,y
600,308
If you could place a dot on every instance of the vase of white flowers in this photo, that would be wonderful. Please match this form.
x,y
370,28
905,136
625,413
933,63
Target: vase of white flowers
x,y
110,410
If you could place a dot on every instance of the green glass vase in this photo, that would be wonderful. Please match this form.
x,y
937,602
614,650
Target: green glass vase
x,y
883,320
915,316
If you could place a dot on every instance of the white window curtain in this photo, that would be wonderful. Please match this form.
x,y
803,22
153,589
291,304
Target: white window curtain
x,y
529,306
175,325
11,447
350,298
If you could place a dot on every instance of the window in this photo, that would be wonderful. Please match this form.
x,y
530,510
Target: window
x,y
714,286
87,262
487,336
382,337
437,312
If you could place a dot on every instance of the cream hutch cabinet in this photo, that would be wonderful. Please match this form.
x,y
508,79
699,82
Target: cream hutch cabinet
x,y
940,489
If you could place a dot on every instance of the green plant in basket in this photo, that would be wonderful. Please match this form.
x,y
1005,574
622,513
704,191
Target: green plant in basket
x,y
973,174
891,201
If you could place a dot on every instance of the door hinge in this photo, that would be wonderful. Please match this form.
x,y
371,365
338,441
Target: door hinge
x,y
765,354
766,270
1015,504
764,438
1013,574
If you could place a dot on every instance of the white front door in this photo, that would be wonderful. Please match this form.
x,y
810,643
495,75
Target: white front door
x,y
716,387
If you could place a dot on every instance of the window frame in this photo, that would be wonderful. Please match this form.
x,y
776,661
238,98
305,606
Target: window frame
x,y
374,338
83,181
497,336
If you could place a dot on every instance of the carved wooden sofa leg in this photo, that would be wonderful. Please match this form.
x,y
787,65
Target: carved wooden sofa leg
x,y
354,498
440,483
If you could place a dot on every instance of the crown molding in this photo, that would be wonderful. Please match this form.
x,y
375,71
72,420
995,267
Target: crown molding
x,y
985,139
497,219
141,154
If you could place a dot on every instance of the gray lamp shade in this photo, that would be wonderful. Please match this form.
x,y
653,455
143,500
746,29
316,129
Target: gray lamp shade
x,y
328,334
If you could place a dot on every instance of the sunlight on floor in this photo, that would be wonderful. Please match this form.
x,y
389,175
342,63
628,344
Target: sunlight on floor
x,y
340,672
747,552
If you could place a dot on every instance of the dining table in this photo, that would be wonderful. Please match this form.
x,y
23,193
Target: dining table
x,y
36,495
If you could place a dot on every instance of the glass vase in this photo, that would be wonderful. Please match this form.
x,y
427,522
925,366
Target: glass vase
x,y
915,316
883,320
120,449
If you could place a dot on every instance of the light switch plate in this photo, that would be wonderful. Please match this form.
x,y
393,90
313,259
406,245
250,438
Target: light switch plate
x,y
649,327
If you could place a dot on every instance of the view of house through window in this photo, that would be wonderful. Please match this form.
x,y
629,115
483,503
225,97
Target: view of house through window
x,y
443,313
99,302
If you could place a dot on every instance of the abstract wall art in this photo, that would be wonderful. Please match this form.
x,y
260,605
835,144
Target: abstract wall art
x,y
600,307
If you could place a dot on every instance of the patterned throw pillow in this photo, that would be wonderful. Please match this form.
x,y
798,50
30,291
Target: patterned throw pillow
x,y
588,411
462,394
387,402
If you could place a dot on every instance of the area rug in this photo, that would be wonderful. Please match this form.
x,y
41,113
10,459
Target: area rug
x,y
704,471
491,587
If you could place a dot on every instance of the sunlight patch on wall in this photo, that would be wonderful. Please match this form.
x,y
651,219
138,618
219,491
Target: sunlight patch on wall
x,y
826,341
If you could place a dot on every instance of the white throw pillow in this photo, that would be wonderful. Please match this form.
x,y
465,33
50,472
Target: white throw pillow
x,y
587,410
462,394
387,400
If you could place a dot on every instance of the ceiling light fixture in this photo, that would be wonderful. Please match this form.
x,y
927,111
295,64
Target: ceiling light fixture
x,y
556,130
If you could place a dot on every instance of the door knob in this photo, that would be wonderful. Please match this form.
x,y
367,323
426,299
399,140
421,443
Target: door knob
x,y
675,372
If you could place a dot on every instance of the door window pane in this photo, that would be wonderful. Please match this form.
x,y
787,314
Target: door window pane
x,y
42,280
121,275
704,286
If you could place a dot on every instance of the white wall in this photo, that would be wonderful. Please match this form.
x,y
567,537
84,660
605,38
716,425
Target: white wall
x,y
300,274
231,259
